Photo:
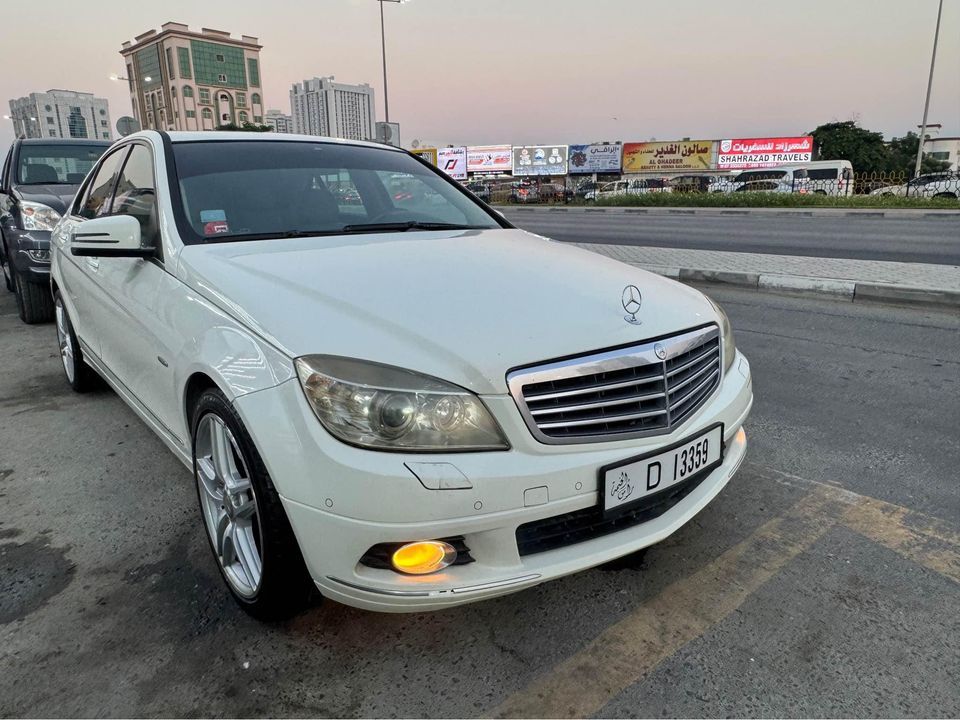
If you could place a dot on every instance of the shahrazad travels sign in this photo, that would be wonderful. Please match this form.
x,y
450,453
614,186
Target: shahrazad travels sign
x,y
743,153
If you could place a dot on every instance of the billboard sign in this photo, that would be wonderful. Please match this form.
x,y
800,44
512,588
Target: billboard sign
x,y
453,161
489,158
745,153
428,154
595,158
540,160
667,156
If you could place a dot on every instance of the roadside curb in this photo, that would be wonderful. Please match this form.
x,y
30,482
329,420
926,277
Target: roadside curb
x,y
834,287
794,212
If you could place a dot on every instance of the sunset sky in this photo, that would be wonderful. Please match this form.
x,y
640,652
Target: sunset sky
x,y
557,71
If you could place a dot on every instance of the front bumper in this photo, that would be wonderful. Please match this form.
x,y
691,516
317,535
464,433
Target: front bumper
x,y
343,500
23,245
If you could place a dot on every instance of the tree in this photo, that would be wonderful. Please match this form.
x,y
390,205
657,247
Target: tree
x,y
246,127
845,140
903,156
867,151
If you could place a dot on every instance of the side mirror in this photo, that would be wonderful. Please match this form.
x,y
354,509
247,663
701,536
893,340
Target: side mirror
x,y
114,236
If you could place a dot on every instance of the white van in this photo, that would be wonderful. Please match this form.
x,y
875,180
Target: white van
x,y
821,177
829,177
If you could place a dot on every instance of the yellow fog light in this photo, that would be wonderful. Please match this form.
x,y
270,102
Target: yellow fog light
x,y
422,558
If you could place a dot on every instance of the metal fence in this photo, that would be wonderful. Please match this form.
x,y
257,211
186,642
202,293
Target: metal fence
x,y
809,181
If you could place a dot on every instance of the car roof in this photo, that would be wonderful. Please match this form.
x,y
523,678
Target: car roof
x,y
65,141
222,136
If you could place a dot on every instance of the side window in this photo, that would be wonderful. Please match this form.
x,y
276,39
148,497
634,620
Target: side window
x,y
99,192
136,194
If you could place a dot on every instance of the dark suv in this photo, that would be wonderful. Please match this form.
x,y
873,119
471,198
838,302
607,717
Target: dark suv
x,y
40,178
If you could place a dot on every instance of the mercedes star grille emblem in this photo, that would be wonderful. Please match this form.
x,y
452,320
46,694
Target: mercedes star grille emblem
x,y
631,300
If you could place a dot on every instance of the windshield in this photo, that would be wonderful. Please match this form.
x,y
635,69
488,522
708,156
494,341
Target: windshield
x,y
245,190
57,164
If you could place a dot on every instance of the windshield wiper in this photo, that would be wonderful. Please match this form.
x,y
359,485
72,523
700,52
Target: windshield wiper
x,y
405,226
281,235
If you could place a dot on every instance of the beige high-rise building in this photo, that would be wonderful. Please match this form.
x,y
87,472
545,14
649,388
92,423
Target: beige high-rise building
x,y
185,80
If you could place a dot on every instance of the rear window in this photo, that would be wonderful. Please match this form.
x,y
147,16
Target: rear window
x,y
56,163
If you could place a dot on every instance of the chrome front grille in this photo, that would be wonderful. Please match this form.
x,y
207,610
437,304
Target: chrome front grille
x,y
620,394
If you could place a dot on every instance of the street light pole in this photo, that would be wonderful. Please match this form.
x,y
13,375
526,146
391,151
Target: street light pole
x,y
926,104
383,48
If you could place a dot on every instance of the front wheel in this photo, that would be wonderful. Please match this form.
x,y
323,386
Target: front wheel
x,y
250,536
80,375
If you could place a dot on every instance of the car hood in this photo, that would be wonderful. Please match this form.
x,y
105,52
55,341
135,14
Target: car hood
x,y
54,196
464,306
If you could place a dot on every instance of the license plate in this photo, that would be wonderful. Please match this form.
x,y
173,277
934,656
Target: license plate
x,y
631,481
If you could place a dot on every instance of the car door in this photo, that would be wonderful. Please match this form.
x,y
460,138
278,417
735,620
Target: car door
x,y
138,338
79,276
5,207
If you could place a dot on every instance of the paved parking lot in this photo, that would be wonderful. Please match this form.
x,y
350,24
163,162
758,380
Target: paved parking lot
x,y
824,580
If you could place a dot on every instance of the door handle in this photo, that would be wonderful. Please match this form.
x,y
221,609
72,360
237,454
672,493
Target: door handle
x,y
93,263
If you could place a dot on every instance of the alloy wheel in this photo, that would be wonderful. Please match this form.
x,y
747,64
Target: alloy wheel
x,y
64,339
229,505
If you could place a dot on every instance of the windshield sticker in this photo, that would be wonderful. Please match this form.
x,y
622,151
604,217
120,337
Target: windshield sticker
x,y
214,222
207,216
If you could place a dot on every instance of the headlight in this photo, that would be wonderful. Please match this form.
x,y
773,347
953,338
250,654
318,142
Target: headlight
x,y
39,256
726,331
37,216
387,408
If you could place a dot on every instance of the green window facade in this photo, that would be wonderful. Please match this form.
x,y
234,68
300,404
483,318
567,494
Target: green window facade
x,y
209,70
191,113
204,96
183,56
147,62
253,70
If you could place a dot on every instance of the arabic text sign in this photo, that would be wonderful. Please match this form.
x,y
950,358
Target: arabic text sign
x,y
746,153
489,158
540,160
453,161
666,156
595,158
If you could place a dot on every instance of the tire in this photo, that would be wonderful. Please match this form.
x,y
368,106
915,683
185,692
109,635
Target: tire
x,y
7,279
946,195
80,376
5,267
34,302
247,528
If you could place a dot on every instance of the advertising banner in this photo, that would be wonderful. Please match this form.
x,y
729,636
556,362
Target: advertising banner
x,y
667,156
489,158
453,161
745,153
540,160
595,158
428,154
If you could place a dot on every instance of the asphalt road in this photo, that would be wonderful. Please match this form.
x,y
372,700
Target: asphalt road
x,y
823,581
916,239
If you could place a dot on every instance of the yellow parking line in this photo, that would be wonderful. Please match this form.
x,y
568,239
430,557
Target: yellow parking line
x,y
624,652
919,538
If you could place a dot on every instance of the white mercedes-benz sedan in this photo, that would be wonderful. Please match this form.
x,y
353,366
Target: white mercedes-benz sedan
x,y
383,389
